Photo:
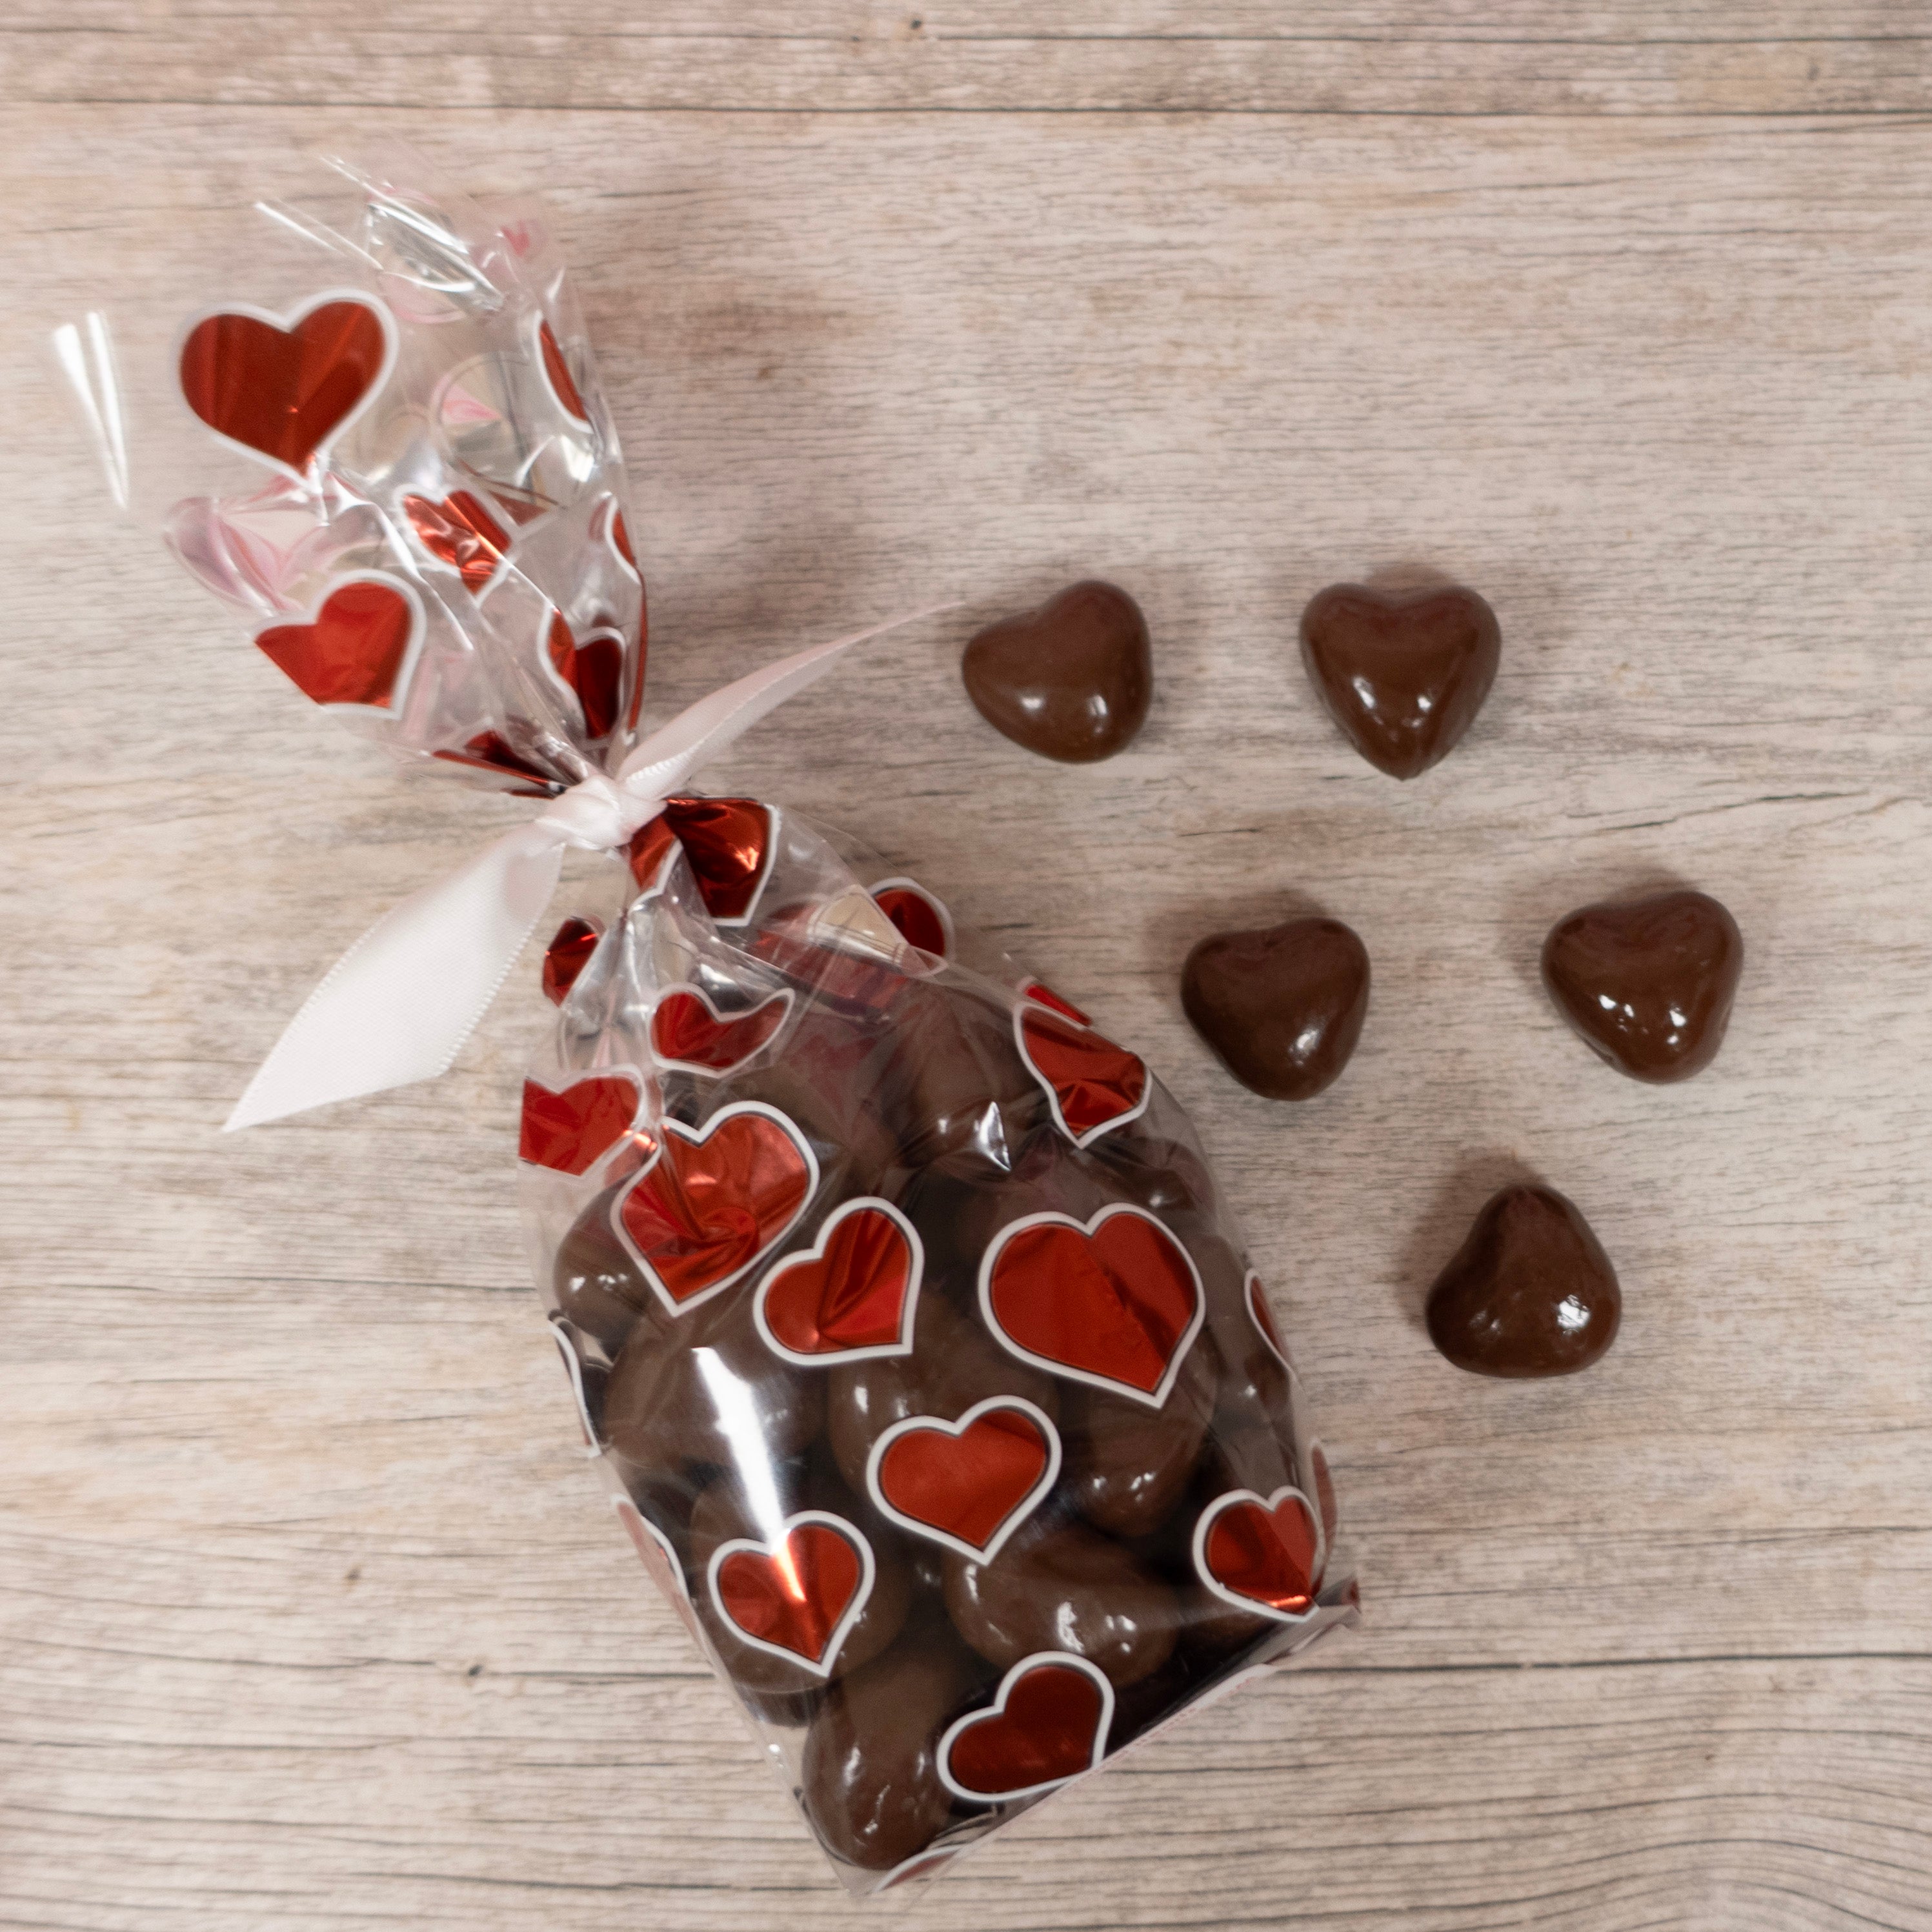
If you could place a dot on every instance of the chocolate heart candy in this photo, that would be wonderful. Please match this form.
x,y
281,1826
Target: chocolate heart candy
x,y
1072,680
1283,1007
1068,1588
966,1084
1530,1292
954,1364
870,1784
595,1283
1647,983
1403,673
685,1385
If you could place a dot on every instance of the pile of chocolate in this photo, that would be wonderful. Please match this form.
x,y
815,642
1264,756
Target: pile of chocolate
x,y
944,1402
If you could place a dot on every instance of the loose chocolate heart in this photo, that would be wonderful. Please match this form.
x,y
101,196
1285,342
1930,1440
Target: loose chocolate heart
x,y
282,389
1530,1292
1647,983
1403,674
1283,1008
571,1129
356,649
1072,680
1049,1722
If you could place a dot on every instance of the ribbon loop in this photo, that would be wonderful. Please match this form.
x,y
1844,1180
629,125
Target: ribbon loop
x,y
398,1005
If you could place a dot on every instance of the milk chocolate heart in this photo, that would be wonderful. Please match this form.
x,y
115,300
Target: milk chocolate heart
x,y
1261,1554
690,1035
797,1596
461,532
592,671
359,647
1647,983
850,1296
1283,1008
1093,1085
1048,1723
570,1128
922,920
716,1198
1072,680
1530,1292
567,955
282,390
967,1484
1403,673
1116,1302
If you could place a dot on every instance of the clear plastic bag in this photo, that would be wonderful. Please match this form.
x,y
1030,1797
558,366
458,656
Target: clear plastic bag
x,y
925,1363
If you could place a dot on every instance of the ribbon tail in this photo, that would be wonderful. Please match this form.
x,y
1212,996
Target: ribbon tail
x,y
397,1007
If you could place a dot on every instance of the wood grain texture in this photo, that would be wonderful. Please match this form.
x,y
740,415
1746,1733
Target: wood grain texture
x,y
311,1617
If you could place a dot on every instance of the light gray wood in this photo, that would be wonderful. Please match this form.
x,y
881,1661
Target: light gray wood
x,y
311,1616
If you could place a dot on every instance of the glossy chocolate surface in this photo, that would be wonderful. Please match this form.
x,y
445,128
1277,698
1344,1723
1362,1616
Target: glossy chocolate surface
x,y
1282,1007
1128,1466
1649,982
871,1781
1530,1292
965,1086
1403,673
1071,680
1067,1588
685,1385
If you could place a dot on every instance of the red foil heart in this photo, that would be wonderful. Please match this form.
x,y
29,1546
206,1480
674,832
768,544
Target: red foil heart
x,y
282,390
1048,1723
798,1595
567,955
460,532
354,649
593,670
967,1484
922,920
651,847
729,842
571,1129
851,1295
715,1199
1116,1302
1047,997
1262,1553
491,751
688,1032
1094,1085
557,373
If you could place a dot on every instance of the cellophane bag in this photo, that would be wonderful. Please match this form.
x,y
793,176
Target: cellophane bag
x,y
927,1370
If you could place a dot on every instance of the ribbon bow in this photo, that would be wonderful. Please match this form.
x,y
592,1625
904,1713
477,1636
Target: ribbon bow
x,y
398,1005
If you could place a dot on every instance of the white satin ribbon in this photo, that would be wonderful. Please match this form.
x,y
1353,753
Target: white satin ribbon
x,y
398,1005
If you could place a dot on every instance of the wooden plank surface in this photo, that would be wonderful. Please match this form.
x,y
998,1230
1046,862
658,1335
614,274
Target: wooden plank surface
x,y
310,1616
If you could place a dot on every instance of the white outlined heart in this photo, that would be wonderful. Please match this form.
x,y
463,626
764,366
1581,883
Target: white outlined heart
x,y
821,1665
1030,1008
1040,1659
912,889
391,704
696,1137
791,1264
287,325
1261,1314
933,1424
783,999
1257,1606
1153,1398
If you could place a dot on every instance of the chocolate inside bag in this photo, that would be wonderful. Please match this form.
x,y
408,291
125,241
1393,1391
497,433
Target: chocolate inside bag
x,y
907,1316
